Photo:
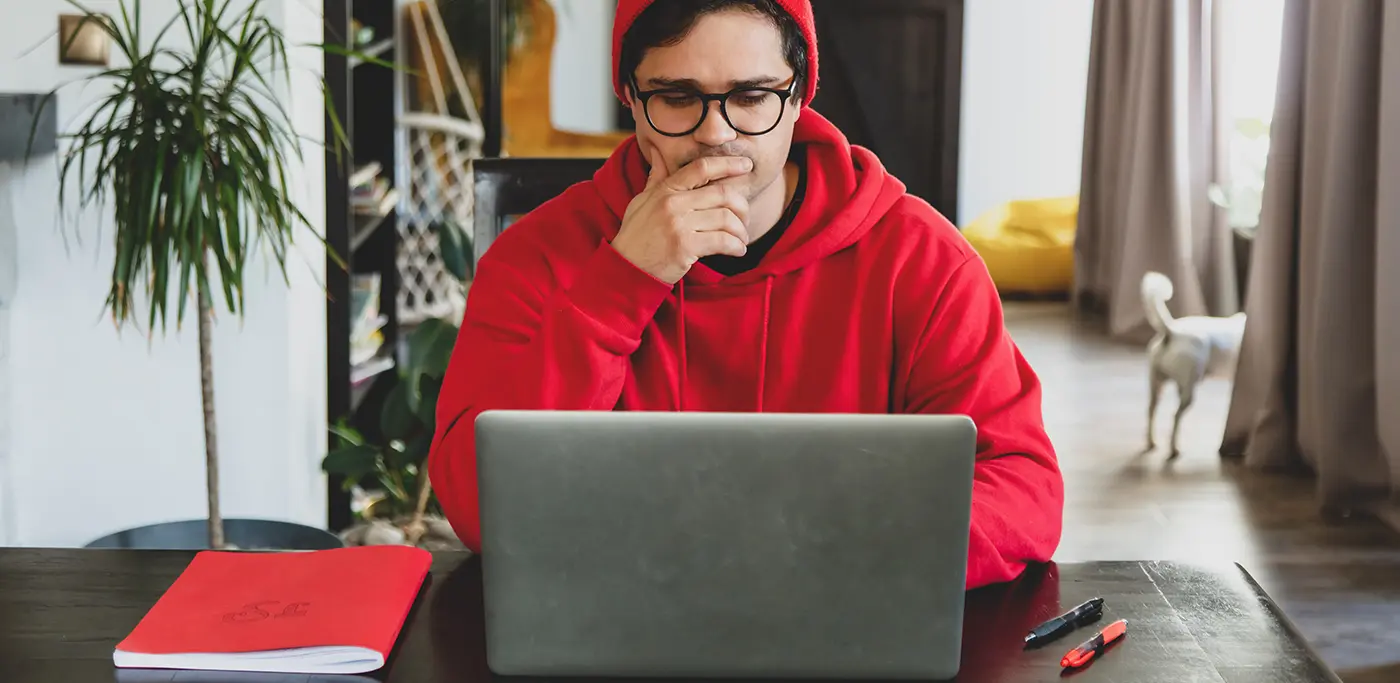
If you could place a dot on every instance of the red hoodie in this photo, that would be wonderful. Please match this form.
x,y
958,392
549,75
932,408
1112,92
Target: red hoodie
x,y
870,302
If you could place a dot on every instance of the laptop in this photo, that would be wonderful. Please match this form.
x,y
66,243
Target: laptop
x,y
724,545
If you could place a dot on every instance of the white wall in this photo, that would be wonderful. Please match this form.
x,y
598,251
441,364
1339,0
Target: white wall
x,y
581,95
110,421
1025,65
9,266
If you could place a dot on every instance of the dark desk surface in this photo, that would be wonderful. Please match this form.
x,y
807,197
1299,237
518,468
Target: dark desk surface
x,y
62,612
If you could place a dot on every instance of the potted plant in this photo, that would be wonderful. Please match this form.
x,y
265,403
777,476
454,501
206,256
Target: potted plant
x,y
388,476
192,148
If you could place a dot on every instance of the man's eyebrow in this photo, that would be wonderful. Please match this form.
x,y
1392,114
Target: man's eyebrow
x,y
690,83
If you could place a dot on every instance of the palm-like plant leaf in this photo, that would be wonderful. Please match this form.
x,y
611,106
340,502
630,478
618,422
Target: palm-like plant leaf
x,y
193,150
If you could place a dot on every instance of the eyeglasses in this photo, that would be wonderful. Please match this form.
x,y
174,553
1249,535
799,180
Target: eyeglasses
x,y
750,110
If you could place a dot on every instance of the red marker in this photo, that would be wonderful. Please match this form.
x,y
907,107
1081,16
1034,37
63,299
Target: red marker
x,y
1089,649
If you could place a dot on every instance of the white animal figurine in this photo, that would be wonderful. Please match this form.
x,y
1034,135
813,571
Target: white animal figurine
x,y
1185,350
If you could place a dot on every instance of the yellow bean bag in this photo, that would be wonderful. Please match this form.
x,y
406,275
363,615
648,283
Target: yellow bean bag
x,y
1028,244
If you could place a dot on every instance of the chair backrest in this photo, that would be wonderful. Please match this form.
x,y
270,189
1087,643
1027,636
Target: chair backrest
x,y
504,188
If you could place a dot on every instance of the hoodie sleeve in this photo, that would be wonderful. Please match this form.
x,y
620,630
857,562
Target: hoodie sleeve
x,y
524,348
966,363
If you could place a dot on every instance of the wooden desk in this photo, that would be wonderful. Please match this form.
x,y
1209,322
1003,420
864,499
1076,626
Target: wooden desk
x,y
62,611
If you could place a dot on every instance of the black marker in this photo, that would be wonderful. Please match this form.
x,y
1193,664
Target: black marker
x,y
1073,619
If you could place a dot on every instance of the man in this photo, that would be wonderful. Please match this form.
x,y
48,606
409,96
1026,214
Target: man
x,y
738,254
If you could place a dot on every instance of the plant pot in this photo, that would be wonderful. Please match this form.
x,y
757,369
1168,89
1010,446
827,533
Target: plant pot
x,y
242,534
439,536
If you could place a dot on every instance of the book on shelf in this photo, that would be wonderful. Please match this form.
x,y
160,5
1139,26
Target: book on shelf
x,y
365,174
365,346
366,322
370,192
337,611
379,207
370,369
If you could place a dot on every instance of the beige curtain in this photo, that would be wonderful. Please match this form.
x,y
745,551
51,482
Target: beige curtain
x,y
1319,376
1152,147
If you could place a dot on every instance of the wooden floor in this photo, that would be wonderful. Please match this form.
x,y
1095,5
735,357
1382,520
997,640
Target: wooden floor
x,y
1340,583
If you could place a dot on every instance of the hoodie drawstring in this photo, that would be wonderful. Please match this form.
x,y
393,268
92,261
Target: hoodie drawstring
x,y
681,333
680,324
763,340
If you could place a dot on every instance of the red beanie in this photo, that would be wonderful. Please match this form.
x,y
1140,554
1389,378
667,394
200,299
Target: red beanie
x,y
801,10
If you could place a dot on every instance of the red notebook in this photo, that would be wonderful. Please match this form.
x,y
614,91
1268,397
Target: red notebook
x,y
321,612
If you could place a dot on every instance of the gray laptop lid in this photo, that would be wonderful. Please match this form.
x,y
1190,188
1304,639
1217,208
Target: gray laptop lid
x,y
724,545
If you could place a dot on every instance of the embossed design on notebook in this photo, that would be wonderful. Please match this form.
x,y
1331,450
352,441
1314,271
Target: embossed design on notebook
x,y
254,611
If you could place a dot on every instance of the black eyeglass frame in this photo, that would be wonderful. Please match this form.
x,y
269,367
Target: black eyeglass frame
x,y
784,94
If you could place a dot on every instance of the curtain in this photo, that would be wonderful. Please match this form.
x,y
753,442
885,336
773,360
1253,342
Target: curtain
x,y
1318,383
1152,147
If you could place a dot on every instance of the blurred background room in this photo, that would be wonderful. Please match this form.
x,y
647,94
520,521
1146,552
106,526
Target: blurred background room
x,y
1247,149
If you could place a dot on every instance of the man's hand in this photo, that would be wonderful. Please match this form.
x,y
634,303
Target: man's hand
x,y
679,218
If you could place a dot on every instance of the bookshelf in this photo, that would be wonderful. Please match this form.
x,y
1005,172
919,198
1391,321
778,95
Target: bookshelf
x,y
361,224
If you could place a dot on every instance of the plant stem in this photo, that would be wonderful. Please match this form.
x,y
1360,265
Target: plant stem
x,y
211,445
416,527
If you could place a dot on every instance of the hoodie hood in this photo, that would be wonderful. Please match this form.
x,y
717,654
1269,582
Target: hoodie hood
x,y
848,193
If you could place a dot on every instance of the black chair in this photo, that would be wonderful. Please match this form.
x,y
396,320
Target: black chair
x,y
512,186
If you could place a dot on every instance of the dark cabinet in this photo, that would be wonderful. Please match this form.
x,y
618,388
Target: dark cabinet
x,y
891,79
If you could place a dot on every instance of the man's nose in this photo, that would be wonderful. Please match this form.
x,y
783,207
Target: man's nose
x,y
714,130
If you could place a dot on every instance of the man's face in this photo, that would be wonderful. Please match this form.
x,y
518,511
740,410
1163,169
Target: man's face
x,y
724,50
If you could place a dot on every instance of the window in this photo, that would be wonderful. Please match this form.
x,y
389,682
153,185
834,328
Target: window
x,y
1251,37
